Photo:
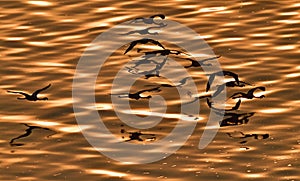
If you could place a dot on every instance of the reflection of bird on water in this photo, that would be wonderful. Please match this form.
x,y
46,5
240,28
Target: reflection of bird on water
x,y
143,41
196,63
142,32
137,135
221,73
235,118
28,132
243,136
181,82
235,84
138,96
249,94
32,97
145,31
220,88
144,60
150,73
236,107
149,20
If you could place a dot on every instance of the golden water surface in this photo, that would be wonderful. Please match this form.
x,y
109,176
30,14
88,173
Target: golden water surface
x,y
42,42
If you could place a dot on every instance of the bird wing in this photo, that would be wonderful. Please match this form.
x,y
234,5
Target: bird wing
x,y
237,105
183,81
40,90
234,75
156,43
219,90
148,90
211,58
17,92
131,46
209,82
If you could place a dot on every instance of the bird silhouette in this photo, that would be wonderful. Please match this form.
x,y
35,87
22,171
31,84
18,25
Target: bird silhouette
x,y
244,136
249,94
235,118
33,96
163,52
149,73
136,135
195,63
221,73
235,84
138,96
143,41
28,132
220,88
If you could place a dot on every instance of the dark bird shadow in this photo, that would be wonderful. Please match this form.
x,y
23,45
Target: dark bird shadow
x,y
195,63
137,95
221,73
149,20
143,41
163,52
234,119
149,73
137,136
249,94
33,96
244,137
27,133
145,31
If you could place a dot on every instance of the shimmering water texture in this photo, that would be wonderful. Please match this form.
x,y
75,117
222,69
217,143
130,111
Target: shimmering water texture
x,y
255,42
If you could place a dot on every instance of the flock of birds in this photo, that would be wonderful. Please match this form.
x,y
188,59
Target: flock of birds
x,y
231,116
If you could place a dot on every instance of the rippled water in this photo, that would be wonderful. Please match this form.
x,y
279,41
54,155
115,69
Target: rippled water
x,y
42,41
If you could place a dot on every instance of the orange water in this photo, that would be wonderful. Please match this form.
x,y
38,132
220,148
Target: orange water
x,y
42,41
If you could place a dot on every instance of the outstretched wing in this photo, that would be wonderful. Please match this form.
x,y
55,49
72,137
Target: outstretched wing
x,y
209,82
234,75
237,105
40,90
149,90
219,90
131,46
17,92
156,43
183,81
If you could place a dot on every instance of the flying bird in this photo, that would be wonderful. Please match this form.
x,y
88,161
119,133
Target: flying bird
x,y
163,52
138,96
143,41
249,94
33,96
28,132
195,63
